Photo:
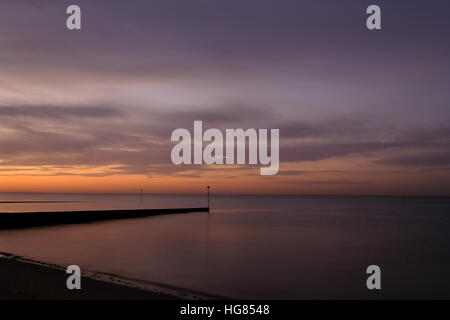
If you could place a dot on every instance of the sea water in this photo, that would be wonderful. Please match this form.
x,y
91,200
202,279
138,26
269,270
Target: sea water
x,y
260,247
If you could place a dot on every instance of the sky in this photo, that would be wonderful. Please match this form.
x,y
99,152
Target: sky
x,y
359,111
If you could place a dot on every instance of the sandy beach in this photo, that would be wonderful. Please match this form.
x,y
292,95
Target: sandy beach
x,y
21,280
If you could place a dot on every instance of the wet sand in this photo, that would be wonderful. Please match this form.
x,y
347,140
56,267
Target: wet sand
x,y
29,281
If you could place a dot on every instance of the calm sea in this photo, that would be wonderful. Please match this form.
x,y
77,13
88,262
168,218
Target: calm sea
x,y
269,247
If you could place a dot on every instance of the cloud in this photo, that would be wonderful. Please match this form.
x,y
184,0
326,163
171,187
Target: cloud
x,y
59,112
137,141
326,182
421,159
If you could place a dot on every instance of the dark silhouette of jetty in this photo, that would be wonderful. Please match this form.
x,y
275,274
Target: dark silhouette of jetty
x,y
41,201
18,220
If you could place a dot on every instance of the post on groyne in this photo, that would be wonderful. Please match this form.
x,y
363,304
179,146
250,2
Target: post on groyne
x,y
208,198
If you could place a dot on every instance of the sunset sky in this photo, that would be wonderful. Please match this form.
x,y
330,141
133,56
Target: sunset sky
x,y
359,111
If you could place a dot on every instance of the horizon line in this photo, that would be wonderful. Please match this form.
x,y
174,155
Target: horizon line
x,y
236,194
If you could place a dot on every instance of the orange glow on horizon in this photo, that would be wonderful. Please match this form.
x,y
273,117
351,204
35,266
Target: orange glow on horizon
x,y
319,177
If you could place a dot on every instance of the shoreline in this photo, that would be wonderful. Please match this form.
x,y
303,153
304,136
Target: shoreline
x,y
27,279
